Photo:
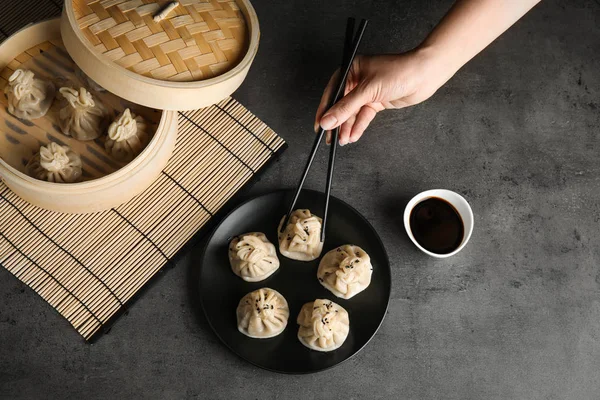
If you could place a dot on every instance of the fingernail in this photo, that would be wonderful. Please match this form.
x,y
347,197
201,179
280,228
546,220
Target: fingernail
x,y
328,122
343,143
316,127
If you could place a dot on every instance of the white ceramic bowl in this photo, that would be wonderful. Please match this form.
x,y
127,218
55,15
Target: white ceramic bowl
x,y
457,201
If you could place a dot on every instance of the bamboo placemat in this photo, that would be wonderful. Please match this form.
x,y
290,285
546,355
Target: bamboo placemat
x,y
88,267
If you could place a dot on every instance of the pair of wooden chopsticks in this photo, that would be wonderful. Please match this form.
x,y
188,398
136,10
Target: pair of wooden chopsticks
x,y
351,44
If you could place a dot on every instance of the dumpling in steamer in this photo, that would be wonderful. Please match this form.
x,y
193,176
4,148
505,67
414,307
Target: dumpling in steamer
x,y
345,271
301,238
55,163
80,116
127,136
252,257
262,314
324,325
28,97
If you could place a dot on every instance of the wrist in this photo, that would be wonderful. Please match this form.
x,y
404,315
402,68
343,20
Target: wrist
x,y
441,65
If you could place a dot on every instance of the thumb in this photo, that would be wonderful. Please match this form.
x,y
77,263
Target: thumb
x,y
346,107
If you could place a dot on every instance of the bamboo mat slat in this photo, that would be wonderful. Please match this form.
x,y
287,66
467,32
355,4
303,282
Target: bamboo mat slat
x,y
89,266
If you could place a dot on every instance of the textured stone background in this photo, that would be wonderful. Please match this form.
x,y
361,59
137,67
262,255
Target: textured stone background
x,y
515,315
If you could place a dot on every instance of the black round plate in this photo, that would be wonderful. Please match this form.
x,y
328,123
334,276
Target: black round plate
x,y
221,290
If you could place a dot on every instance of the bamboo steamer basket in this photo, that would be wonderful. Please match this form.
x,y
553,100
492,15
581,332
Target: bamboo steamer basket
x,y
115,183
196,57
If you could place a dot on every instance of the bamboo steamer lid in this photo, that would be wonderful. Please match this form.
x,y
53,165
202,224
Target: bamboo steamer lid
x,y
196,56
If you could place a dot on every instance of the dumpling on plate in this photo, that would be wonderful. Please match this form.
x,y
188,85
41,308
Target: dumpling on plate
x,y
252,257
324,325
28,97
345,271
301,238
262,314
55,163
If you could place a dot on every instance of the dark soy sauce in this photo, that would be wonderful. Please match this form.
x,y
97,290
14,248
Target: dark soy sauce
x,y
437,226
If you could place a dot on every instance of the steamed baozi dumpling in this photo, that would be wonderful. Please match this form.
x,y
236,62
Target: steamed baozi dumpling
x,y
28,97
55,163
252,257
324,325
262,314
80,116
301,238
127,136
345,271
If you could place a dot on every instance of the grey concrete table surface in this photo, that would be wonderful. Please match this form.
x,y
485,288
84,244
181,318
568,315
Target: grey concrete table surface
x,y
515,315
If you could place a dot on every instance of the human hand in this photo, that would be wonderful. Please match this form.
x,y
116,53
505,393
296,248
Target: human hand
x,y
376,83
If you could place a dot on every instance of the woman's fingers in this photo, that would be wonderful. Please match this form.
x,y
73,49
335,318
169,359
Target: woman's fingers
x,y
363,119
327,93
345,108
345,130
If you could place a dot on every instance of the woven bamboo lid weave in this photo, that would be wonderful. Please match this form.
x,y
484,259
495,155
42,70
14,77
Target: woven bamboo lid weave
x,y
197,40
196,56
